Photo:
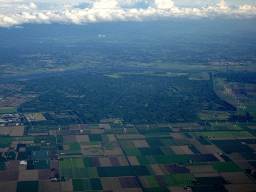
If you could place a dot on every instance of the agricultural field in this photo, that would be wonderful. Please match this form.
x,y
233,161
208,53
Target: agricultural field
x,y
34,117
240,91
8,110
171,159
72,145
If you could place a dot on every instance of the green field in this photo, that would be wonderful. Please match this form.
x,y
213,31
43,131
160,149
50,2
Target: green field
x,y
227,134
5,110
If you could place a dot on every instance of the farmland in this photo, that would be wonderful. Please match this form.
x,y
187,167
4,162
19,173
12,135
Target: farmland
x,y
131,131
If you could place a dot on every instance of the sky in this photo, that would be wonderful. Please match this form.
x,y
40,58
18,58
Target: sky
x,y
18,12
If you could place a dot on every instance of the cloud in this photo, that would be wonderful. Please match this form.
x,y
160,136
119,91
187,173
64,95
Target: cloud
x,y
17,12
164,4
105,4
222,5
32,5
26,7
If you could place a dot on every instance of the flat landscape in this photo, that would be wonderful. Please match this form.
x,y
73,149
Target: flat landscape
x,y
127,96
135,131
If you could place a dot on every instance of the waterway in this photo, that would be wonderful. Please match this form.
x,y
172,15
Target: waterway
x,y
91,69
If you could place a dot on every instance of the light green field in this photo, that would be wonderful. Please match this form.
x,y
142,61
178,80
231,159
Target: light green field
x,y
227,134
4,110
72,163
90,143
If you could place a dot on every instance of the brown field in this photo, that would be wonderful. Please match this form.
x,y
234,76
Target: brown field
x,y
82,138
206,175
45,174
174,169
247,137
28,175
252,127
9,175
54,164
140,143
194,142
180,142
157,169
66,147
122,161
127,190
237,178
105,162
203,149
129,182
13,165
106,126
163,125
219,158
79,127
66,186
114,161
186,150
23,142
110,183
10,186
14,145
245,165
91,151
133,160
97,131
111,137
144,181
236,157
178,150
201,169
95,161
47,186
177,189
17,131
94,150
164,170
2,150
22,168
12,130
160,181
239,188
213,149
22,149
52,132
115,151
68,132
127,143
177,135
69,138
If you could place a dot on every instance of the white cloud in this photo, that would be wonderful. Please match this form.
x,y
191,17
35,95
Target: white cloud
x,y
222,4
18,12
164,4
32,5
105,4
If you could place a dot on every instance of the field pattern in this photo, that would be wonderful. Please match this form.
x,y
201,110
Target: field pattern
x,y
74,146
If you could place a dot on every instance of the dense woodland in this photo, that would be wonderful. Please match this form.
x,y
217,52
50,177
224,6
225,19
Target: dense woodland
x,y
134,97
